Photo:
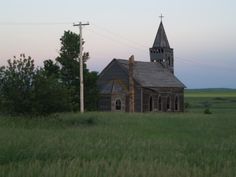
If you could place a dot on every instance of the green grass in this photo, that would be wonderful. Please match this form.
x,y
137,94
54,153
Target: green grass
x,y
107,144
217,93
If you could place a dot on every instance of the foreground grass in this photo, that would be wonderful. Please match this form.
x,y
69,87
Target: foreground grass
x,y
107,144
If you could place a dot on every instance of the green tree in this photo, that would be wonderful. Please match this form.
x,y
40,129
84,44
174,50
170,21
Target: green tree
x,y
16,85
70,71
49,94
51,68
28,90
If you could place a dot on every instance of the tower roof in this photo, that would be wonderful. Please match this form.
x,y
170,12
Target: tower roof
x,y
161,38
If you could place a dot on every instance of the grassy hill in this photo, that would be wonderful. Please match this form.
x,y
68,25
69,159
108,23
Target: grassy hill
x,y
121,144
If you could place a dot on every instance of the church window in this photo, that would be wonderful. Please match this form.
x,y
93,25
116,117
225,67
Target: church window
x,y
118,104
176,103
150,104
168,103
159,104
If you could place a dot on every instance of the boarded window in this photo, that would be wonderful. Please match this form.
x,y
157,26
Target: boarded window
x,y
118,104
159,104
150,104
168,103
176,103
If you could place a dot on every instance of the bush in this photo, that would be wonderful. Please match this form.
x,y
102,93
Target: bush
x,y
81,120
187,106
16,85
207,111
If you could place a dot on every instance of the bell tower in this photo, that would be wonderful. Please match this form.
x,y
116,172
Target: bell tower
x,y
161,51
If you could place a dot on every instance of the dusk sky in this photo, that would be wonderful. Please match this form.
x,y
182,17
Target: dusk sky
x,y
202,33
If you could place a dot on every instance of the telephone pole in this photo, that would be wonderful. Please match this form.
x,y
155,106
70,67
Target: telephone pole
x,y
80,24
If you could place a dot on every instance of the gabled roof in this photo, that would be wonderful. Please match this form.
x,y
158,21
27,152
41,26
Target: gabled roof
x,y
151,74
114,86
161,38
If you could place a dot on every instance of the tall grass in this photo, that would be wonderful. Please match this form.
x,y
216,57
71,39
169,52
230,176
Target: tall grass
x,y
108,144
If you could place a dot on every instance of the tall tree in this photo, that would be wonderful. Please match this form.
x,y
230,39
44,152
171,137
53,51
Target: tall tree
x,y
70,71
68,58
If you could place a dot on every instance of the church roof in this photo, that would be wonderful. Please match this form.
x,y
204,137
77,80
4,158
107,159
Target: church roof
x,y
114,86
152,74
161,38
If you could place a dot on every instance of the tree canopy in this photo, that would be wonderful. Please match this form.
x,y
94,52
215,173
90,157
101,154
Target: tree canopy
x,y
55,87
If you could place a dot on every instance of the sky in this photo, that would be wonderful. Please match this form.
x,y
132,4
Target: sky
x,y
202,33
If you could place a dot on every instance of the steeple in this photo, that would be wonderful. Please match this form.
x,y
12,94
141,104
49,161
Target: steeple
x,y
161,38
161,51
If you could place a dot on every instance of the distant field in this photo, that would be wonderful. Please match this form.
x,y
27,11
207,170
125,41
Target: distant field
x,y
210,93
219,100
106,144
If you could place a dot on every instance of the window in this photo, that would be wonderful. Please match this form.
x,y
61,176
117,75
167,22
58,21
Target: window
x,y
150,104
169,61
118,104
176,103
159,104
168,103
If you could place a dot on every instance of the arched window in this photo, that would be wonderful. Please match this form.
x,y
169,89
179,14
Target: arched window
x,y
150,104
169,61
118,104
168,103
159,104
176,103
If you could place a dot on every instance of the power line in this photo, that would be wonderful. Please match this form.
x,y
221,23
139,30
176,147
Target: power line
x,y
189,60
117,40
113,36
33,23
121,36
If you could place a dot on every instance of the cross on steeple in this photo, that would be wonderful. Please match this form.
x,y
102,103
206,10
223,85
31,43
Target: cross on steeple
x,y
161,17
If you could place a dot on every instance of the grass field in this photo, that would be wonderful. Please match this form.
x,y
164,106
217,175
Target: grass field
x,y
106,144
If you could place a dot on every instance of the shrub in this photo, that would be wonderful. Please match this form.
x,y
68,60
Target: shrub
x,y
187,105
207,111
81,120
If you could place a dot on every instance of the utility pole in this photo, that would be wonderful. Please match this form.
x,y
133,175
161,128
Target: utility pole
x,y
80,24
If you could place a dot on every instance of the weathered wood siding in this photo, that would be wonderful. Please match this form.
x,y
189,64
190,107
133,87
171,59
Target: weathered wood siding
x,y
164,93
104,103
137,98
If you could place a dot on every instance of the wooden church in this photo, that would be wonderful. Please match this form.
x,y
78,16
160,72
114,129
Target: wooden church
x,y
137,86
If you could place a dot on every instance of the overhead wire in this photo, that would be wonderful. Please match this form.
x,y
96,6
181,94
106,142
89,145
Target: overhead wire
x,y
33,23
121,39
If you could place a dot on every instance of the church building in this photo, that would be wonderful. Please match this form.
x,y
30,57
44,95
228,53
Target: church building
x,y
138,86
